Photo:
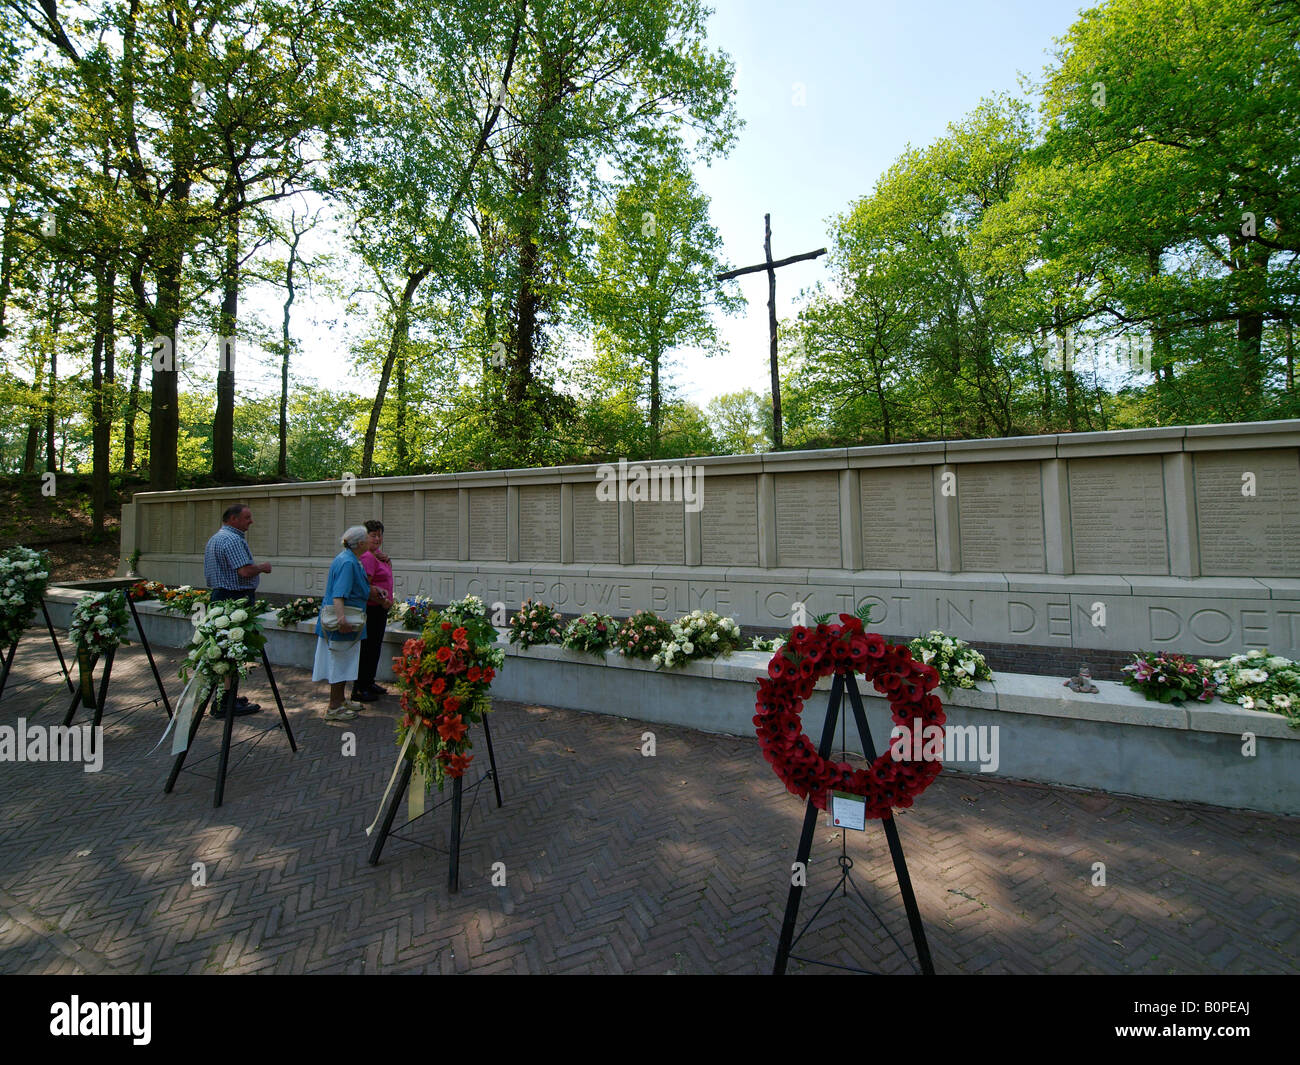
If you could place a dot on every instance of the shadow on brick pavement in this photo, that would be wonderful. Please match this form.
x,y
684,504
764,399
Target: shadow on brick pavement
x,y
614,862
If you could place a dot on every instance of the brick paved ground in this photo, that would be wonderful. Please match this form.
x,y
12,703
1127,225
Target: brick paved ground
x,y
614,862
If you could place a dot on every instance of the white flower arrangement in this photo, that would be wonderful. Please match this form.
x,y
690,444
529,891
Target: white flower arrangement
x,y
227,640
99,622
699,634
459,610
1257,680
24,574
958,664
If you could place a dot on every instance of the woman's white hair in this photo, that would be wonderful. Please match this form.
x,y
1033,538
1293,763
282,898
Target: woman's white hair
x,y
355,535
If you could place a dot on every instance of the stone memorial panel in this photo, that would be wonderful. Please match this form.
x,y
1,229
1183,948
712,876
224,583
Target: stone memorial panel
x,y
808,519
1117,515
159,538
595,526
659,533
182,522
326,533
729,516
1000,512
359,509
898,518
289,527
399,528
1248,513
539,523
441,524
487,524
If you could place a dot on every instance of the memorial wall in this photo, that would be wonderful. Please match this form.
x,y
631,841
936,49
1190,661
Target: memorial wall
x,y
1184,539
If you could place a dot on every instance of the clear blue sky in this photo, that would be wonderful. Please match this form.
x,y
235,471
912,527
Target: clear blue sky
x,y
876,76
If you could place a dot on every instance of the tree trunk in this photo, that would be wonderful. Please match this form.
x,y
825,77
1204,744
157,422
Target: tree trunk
x,y
403,461
397,343
286,341
1290,357
34,422
7,260
164,412
52,386
223,419
132,407
656,410
101,392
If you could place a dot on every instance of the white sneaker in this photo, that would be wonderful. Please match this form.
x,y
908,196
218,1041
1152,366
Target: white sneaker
x,y
341,713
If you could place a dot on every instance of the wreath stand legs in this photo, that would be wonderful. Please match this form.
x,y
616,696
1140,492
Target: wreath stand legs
x,y
788,938
139,628
457,790
85,691
223,759
8,663
49,627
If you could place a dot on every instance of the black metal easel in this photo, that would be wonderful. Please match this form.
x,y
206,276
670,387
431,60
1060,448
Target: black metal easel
x,y
788,938
13,648
85,690
148,651
395,800
223,759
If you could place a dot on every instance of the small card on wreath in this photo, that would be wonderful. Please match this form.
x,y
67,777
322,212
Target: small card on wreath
x,y
849,811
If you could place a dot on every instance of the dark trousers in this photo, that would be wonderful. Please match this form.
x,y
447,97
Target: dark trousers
x,y
376,619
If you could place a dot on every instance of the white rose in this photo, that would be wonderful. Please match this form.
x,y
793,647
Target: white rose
x,y
236,635
214,653
239,617
220,622
713,638
688,647
221,667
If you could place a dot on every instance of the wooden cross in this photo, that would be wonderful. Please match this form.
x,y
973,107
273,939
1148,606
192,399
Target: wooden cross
x,y
771,268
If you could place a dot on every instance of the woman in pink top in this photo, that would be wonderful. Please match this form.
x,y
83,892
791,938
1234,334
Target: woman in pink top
x,y
379,570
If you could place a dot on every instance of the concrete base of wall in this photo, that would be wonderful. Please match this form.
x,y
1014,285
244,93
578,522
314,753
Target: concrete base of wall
x,y
1024,727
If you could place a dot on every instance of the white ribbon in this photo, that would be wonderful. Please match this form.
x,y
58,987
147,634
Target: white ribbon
x,y
185,707
410,734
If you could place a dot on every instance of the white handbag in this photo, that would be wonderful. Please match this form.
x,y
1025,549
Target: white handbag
x,y
354,616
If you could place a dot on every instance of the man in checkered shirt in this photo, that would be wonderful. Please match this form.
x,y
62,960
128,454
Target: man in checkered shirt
x,y
230,572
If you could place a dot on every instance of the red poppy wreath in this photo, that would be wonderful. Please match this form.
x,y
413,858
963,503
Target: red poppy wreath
x,y
793,672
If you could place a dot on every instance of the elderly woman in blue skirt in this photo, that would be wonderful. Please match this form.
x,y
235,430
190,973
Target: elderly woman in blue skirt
x,y
338,640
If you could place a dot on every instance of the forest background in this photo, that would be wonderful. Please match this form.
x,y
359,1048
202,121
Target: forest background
x,y
501,200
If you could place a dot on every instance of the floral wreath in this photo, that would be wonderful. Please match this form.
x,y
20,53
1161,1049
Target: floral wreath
x,y
98,623
793,672
444,675
227,641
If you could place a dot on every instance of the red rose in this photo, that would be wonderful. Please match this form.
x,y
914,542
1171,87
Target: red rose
x,y
444,654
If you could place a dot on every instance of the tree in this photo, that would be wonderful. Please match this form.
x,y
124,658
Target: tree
x,y
598,83
1176,120
651,288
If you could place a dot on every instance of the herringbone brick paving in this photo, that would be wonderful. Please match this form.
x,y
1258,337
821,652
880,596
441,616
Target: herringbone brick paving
x,y
614,862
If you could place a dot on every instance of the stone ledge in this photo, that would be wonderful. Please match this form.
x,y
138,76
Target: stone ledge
x,y
1113,741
